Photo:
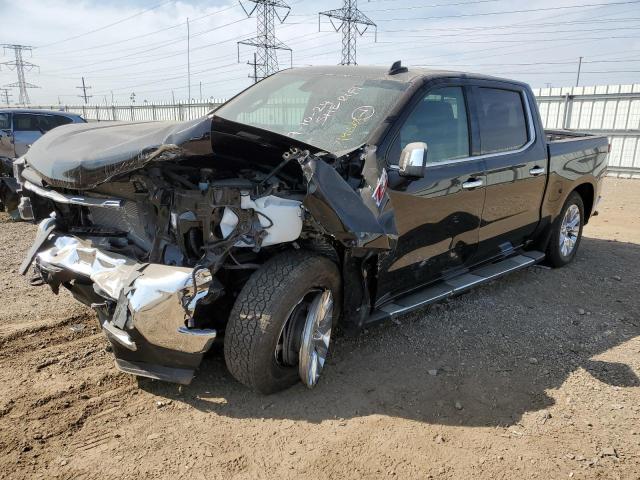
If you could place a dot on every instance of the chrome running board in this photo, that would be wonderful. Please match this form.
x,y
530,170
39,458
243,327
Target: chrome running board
x,y
453,286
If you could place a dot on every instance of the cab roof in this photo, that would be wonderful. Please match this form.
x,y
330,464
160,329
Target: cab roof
x,y
411,75
40,111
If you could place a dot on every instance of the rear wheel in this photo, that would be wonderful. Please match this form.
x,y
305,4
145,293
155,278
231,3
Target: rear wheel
x,y
279,330
567,232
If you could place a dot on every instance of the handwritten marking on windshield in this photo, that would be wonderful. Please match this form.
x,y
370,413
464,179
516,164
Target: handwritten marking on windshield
x,y
359,116
326,110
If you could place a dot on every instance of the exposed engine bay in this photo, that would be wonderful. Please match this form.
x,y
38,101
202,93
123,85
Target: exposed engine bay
x,y
161,244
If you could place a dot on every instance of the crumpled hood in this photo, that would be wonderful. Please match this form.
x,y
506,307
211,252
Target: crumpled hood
x,y
80,156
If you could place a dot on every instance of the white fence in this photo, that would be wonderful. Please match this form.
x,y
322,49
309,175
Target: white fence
x,y
612,110
137,113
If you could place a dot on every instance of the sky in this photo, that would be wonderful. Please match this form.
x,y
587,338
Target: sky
x,y
124,47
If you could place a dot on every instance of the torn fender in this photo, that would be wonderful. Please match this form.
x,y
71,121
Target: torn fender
x,y
343,212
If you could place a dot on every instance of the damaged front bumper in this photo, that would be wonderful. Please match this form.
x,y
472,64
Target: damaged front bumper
x,y
146,310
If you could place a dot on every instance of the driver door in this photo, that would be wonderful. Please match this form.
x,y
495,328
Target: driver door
x,y
437,216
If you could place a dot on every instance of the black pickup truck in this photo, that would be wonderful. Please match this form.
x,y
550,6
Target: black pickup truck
x,y
318,197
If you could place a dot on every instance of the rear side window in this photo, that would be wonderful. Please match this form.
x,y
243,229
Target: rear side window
x,y
24,122
503,125
440,120
47,122
5,121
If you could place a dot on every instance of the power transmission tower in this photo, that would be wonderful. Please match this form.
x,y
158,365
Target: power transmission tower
x,y
84,89
353,24
267,45
6,95
20,66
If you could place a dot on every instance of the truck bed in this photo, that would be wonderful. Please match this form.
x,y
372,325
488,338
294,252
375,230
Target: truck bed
x,y
563,142
553,136
575,154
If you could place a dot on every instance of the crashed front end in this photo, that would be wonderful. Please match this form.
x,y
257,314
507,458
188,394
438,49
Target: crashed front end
x,y
146,310
159,235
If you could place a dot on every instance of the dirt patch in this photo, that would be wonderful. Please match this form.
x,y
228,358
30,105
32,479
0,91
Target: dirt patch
x,y
532,376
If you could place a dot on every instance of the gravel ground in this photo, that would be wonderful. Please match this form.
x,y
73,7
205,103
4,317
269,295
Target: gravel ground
x,y
533,376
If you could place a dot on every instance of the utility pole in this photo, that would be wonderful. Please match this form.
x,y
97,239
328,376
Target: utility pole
x,y
84,89
112,102
200,91
579,67
267,45
189,60
20,66
6,95
353,24
254,75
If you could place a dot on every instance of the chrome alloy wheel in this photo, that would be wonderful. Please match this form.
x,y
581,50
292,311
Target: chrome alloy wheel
x,y
569,230
316,336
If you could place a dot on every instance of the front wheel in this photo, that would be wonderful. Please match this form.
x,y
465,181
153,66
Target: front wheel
x,y
279,330
567,232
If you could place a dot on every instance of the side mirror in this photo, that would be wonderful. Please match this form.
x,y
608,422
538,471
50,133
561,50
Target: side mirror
x,y
412,160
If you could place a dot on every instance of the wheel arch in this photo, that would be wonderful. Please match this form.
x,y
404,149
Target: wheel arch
x,y
587,193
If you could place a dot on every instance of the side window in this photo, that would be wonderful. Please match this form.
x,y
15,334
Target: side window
x,y
24,122
503,125
59,120
439,120
48,122
5,121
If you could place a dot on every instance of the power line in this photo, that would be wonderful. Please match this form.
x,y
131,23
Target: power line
x,y
434,5
154,7
537,33
136,37
265,41
156,56
19,64
516,25
507,12
350,20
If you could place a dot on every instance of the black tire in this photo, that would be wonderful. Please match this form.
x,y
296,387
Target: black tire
x,y
555,257
261,310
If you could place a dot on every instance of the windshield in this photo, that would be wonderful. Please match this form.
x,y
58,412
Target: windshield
x,y
329,111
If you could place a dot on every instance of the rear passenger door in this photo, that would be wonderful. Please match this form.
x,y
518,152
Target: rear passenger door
x,y
26,130
516,162
6,136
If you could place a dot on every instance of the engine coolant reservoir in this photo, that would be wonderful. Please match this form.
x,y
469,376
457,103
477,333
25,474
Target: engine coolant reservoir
x,y
285,214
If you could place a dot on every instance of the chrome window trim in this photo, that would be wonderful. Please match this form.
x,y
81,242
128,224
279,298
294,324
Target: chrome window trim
x,y
531,131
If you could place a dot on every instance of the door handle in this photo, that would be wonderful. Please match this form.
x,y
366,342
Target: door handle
x,y
473,183
535,171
